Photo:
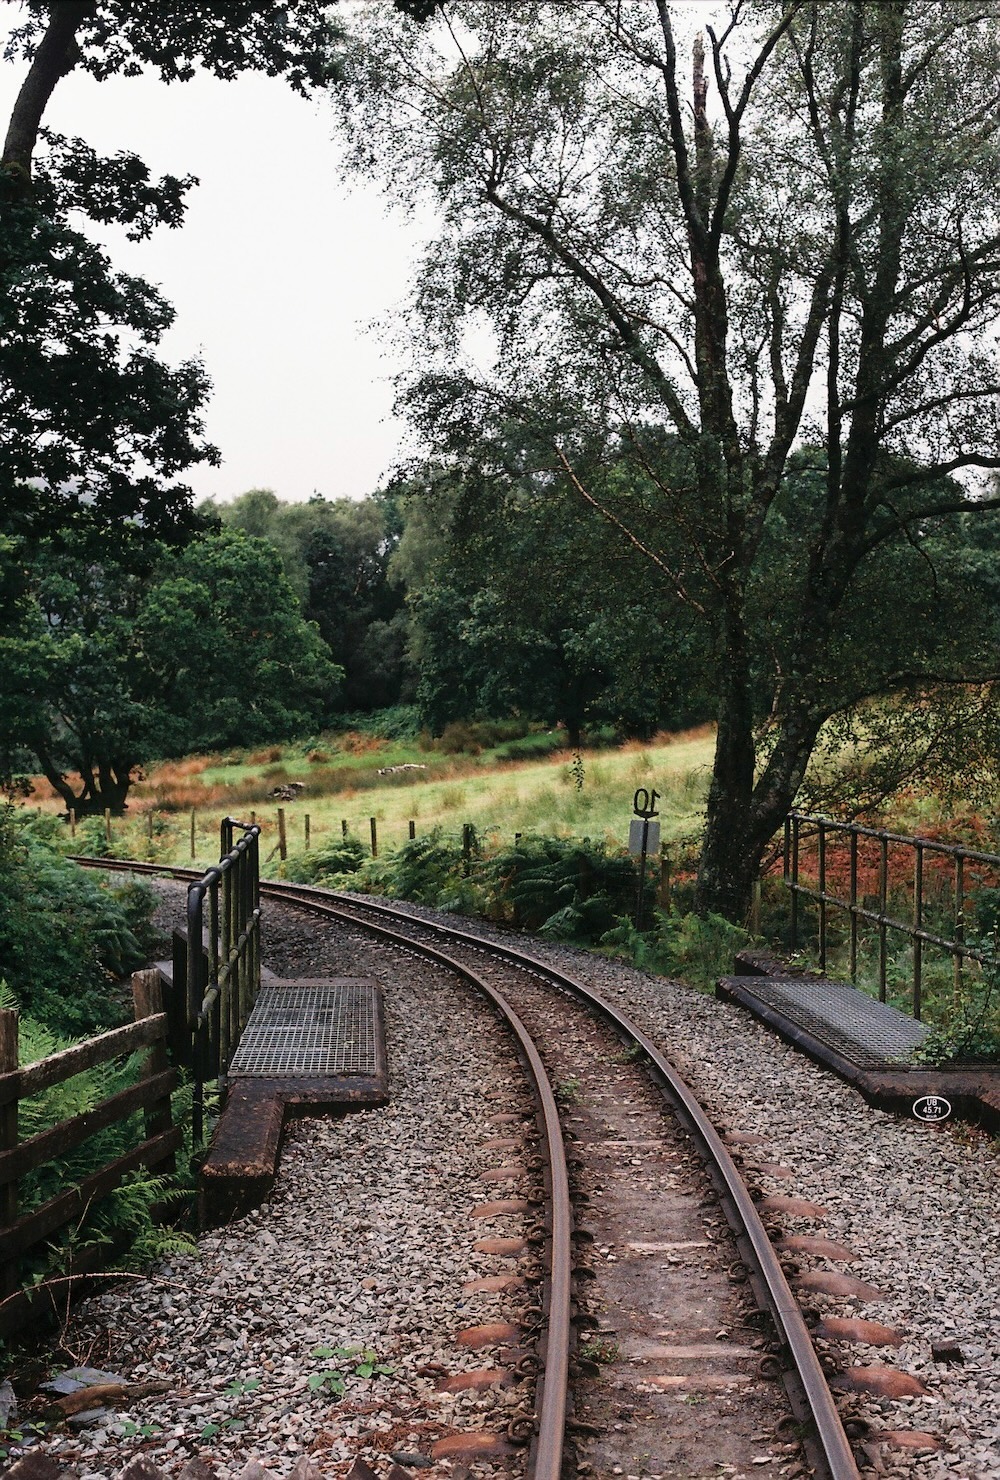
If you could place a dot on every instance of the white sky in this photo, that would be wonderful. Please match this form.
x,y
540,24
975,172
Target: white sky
x,y
277,273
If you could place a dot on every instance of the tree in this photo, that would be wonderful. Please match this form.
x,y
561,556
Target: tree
x,y
336,555
96,428
786,246
107,669
518,604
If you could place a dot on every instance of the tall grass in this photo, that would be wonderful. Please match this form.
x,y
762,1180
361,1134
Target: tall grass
x,y
499,795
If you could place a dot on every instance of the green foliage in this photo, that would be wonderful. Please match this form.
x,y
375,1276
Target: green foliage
x,y
345,1362
107,669
64,936
327,864
396,722
697,948
425,868
567,889
336,555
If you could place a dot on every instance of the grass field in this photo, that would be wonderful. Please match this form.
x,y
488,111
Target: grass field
x,y
497,793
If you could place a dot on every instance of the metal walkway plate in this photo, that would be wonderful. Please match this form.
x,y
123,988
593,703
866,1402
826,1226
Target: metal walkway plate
x,y
329,1030
868,1033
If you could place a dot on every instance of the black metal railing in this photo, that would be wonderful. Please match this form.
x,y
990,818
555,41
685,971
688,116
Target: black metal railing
x,y
222,974
966,867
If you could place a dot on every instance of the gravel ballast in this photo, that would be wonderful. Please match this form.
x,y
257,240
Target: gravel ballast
x,y
367,1241
919,1205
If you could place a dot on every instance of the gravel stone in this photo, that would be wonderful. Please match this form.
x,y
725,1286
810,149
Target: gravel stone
x,y
366,1240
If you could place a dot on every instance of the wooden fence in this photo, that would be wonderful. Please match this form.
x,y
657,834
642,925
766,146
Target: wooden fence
x,y
21,1236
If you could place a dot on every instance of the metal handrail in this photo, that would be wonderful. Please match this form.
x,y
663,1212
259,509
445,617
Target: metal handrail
x,y
820,828
223,975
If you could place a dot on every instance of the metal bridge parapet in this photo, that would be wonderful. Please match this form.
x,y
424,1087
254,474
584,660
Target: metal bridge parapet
x,y
223,961
967,870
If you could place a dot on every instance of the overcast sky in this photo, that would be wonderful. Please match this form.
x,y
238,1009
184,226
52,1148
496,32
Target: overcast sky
x,y
280,274
276,274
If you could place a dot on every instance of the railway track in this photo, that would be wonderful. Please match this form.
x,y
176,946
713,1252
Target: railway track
x,y
562,1028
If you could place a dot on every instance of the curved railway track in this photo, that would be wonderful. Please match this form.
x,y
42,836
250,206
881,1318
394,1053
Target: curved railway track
x,y
792,1355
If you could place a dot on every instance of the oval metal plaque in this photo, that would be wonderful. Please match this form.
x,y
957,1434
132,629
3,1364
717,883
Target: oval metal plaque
x,y
932,1108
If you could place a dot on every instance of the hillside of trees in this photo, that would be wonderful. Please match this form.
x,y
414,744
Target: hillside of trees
x,y
733,459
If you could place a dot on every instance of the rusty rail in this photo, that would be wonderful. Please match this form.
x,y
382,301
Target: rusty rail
x,y
801,827
546,1455
809,1387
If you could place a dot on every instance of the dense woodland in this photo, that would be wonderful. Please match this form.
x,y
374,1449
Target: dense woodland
x,y
731,456
702,371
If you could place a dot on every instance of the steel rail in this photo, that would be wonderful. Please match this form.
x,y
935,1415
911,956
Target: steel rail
x,y
553,1383
552,1387
833,1444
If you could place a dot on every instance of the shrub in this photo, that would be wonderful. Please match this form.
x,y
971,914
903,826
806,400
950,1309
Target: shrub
x,y
699,948
64,936
397,722
321,865
427,869
566,888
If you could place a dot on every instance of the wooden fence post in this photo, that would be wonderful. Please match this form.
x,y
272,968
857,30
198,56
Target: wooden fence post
x,y
374,837
107,824
72,822
150,825
8,1140
343,826
192,832
282,835
413,829
305,830
147,998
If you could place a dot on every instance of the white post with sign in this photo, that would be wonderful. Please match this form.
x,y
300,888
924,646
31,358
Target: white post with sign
x,y
643,839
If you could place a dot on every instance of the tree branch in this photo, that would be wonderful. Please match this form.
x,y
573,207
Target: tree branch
x,y
57,54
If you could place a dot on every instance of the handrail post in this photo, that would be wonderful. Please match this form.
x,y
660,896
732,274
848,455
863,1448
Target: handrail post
x,y
821,921
795,881
147,998
883,887
225,972
854,905
918,917
8,1140
197,975
959,923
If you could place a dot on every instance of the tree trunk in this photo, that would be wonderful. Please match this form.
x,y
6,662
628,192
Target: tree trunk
x,y
94,794
727,866
55,55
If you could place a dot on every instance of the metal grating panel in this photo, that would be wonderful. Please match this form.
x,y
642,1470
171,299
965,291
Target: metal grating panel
x,y
870,1034
329,1030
